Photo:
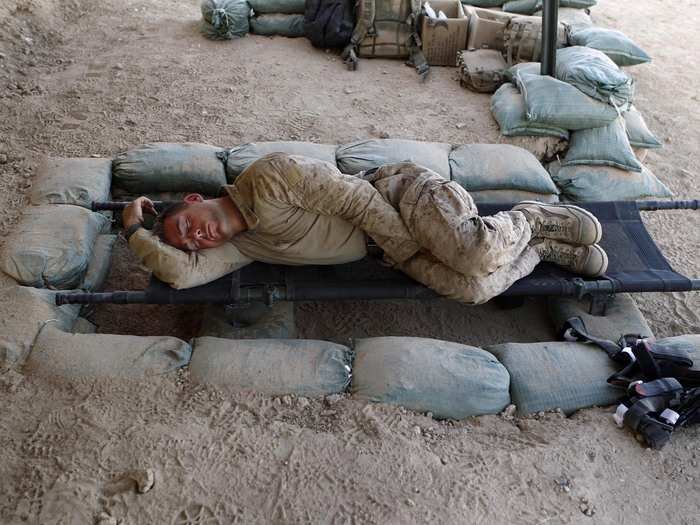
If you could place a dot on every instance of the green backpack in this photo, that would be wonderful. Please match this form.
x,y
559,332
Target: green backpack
x,y
388,29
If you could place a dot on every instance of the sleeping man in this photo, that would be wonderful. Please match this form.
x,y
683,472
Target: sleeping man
x,y
295,210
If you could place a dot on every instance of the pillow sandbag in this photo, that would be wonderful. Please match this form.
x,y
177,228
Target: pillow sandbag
x,y
366,154
509,109
291,26
51,246
100,263
615,44
604,146
78,181
602,183
272,366
240,157
508,196
690,343
637,131
89,356
556,103
278,6
448,379
23,310
622,316
164,166
522,7
499,167
531,68
574,19
225,19
546,376
595,74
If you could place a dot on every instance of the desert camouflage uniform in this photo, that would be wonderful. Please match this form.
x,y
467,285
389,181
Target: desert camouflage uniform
x,y
304,211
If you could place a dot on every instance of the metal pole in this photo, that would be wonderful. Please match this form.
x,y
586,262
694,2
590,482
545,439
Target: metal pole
x,y
668,205
550,24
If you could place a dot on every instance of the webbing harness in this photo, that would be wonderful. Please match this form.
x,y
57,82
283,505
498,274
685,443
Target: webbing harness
x,y
662,391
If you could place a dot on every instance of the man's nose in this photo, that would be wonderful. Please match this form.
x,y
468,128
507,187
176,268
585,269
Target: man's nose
x,y
198,233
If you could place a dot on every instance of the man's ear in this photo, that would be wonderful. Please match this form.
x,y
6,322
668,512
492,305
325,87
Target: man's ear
x,y
192,198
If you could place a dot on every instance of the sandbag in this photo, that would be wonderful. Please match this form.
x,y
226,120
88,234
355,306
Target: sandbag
x,y
622,316
509,110
522,7
240,157
556,103
329,23
690,343
546,376
83,326
523,39
271,366
450,380
604,146
51,246
274,322
100,263
511,196
602,183
23,310
637,131
531,68
225,19
481,70
499,167
615,44
277,6
78,181
165,166
595,74
90,356
366,154
543,148
291,26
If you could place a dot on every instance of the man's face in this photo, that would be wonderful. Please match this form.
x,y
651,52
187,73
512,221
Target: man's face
x,y
199,225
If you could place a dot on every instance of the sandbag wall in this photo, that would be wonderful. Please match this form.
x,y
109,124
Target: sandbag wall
x,y
588,103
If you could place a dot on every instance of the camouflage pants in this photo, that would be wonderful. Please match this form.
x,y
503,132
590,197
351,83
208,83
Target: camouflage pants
x,y
464,257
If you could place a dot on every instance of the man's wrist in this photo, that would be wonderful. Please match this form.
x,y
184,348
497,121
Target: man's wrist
x,y
130,230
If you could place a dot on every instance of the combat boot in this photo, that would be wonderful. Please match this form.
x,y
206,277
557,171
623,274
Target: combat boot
x,y
591,261
561,222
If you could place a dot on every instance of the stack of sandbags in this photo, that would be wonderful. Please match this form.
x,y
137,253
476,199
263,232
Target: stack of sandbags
x,y
59,243
277,17
590,100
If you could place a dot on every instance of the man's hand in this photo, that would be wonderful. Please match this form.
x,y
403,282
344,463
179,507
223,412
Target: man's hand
x,y
133,213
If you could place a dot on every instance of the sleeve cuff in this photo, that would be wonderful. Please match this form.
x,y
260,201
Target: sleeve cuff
x,y
132,230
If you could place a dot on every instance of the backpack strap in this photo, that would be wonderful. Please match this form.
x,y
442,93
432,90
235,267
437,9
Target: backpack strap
x,y
365,11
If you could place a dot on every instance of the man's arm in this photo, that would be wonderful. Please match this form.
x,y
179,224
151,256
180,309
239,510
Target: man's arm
x,y
177,268
319,187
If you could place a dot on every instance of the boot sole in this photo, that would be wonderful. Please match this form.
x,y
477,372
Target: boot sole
x,y
598,226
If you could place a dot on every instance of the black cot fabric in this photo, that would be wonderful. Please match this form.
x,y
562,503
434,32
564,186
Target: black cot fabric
x,y
635,265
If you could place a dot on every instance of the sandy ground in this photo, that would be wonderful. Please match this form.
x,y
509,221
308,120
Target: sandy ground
x,y
83,77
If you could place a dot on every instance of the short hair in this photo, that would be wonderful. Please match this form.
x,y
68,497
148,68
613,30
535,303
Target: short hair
x,y
159,224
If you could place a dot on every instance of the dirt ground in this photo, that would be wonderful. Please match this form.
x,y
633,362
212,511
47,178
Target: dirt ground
x,y
88,77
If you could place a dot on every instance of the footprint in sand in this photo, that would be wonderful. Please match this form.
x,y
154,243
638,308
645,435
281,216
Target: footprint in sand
x,y
196,514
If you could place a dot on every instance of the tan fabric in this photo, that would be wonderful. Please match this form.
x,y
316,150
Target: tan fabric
x,y
464,257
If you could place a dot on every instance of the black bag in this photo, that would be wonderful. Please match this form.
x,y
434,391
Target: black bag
x,y
329,23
